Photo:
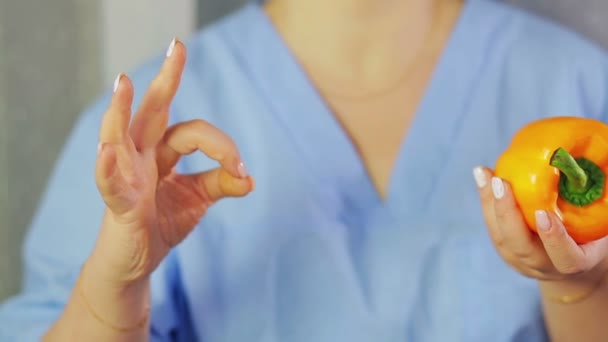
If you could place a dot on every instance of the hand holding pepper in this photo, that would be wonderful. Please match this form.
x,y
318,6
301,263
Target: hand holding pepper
x,y
552,181
560,165
552,254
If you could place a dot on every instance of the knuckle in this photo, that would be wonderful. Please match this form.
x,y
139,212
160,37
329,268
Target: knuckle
x,y
502,215
484,193
538,274
572,268
486,196
509,258
198,124
540,265
557,236
524,254
489,219
160,84
499,240
526,272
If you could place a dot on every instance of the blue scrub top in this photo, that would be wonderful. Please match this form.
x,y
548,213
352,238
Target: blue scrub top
x,y
314,254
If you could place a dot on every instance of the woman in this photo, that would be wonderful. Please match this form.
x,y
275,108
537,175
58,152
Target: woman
x,y
361,123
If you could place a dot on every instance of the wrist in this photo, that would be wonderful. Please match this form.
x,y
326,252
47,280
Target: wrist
x,y
97,276
118,306
112,274
121,255
575,288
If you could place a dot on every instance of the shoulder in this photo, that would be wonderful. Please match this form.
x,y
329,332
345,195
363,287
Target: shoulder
x,y
539,34
547,59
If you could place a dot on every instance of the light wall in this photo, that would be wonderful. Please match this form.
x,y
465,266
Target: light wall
x,y
49,70
55,58
134,30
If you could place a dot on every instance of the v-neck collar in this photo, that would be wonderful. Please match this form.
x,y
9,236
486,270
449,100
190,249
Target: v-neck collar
x,y
322,142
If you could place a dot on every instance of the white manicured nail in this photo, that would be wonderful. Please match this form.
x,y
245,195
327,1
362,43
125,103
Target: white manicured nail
x,y
498,188
243,170
171,47
117,82
480,177
542,220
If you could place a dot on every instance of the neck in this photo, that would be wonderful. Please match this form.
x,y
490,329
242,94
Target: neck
x,y
353,17
372,39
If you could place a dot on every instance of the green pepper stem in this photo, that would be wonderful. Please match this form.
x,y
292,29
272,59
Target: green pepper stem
x,y
581,181
577,178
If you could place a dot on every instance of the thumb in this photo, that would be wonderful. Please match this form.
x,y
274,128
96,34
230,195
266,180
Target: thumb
x,y
218,183
566,254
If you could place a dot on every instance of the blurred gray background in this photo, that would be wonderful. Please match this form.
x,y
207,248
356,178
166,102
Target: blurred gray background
x,y
56,56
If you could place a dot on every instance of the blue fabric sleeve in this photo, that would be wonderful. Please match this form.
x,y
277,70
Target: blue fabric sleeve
x,y
590,70
61,236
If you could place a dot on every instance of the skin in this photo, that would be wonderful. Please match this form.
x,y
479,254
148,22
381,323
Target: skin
x,y
150,208
371,61
561,266
355,46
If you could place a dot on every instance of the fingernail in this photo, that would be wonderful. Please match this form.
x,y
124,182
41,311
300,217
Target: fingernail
x,y
243,170
480,177
498,188
171,47
99,147
542,220
117,82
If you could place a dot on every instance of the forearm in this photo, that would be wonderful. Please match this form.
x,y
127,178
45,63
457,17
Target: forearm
x,y
582,320
98,311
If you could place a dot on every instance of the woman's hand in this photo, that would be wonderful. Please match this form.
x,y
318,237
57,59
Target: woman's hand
x,y
550,256
150,208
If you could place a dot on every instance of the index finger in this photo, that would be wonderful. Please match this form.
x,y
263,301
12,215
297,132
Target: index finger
x,y
517,236
115,122
482,178
198,135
